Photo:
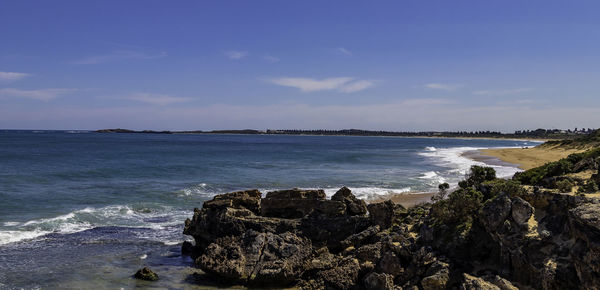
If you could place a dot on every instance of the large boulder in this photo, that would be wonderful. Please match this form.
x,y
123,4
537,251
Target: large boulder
x,y
344,276
146,274
521,210
258,258
475,283
495,212
248,199
296,203
384,213
585,227
378,281
354,206
438,275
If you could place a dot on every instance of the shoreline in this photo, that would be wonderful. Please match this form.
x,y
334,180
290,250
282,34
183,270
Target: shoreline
x,y
525,158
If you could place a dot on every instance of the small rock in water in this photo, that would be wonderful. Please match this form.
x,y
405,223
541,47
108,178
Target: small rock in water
x,y
146,274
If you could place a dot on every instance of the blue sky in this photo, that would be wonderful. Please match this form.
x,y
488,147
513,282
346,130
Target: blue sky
x,y
389,65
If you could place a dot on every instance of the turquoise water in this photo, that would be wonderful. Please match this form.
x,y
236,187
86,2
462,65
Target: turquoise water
x,y
118,197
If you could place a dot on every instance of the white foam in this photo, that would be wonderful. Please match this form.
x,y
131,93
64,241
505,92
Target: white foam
x,y
430,148
89,217
459,165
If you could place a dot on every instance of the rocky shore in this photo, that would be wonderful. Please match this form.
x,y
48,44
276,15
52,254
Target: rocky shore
x,y
508,238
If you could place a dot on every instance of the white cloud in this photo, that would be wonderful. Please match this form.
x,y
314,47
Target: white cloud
x,y
157,99
270,58
343,51
502,92
235,54
117,56
341,84
357,86
443,87
12,76
42,95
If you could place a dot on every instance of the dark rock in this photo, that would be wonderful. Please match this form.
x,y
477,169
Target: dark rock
x,y
383,213
438,275
378,281
330,231
344,276
585,225
361,238
495,212
298,203
521,210
354,206
248,199
187,248
146,274
258,258
390,264
475,283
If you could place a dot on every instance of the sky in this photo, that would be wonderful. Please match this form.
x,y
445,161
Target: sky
x,y
377,65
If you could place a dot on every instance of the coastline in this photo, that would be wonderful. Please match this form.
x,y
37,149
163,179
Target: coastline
x,y
524,158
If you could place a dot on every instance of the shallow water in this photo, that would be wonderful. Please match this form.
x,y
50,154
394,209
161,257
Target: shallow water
x,y
80,209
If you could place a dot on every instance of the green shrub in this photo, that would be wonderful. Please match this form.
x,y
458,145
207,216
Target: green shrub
x,y
564,185
493,188
478,175
590,186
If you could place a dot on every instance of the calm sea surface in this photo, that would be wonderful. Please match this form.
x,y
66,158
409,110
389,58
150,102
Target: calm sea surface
x,y
80,209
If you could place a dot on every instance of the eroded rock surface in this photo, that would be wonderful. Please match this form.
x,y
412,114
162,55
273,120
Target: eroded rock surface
x,y
299,238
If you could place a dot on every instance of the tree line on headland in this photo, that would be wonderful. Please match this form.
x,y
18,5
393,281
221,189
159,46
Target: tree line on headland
x,y
538,133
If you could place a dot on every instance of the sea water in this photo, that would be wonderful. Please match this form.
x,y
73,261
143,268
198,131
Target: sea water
x,y
81,209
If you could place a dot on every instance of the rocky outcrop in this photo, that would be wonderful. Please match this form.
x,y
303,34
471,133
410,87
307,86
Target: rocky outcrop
x,y
299,238
354,206
146,274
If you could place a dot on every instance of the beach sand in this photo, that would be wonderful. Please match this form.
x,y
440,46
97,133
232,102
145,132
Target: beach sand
x,y
407,199
527,158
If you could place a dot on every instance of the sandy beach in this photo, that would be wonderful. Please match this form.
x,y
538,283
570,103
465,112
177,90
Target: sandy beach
x,y
407,199
527,158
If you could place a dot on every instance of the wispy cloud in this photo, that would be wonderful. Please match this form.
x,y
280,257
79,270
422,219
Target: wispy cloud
x,y
42,95
271,58
12,76
343,51
443,87
342,84
236,54
502,92
118,55
157,99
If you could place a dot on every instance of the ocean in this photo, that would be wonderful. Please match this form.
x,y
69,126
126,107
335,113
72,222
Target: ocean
x,y
81,209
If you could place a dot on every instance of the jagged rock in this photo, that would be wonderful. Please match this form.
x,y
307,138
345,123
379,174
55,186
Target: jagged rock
x,y
298,203
383,213
248,199
585,224
187,248
495,212
354,206
146,274
328,230
344,276
502,283
521,210
378,281
209,224
369,253
390,264
438,275
475,283
258,258
357,240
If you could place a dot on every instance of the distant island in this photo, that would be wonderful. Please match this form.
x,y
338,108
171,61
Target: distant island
x,y
557,134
